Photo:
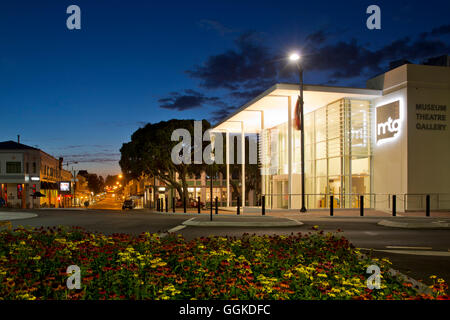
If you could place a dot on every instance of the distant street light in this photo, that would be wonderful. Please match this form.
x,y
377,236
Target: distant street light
x,y
294,57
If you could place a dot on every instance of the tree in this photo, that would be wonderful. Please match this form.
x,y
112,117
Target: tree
x,y
149,153
95,183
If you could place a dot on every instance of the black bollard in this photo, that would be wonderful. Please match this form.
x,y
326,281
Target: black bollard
x,y
263,205
331,206
173,204
361,206
184,204
198,204
217,205
157,204
167,204
394,205
428,205
238,206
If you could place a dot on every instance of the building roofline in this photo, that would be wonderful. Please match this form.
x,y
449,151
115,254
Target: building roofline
x,y
306,87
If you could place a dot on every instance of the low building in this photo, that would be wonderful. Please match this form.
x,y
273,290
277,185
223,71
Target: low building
x,y
26,170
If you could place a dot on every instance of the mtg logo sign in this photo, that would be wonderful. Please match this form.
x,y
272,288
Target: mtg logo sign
x,y
388,120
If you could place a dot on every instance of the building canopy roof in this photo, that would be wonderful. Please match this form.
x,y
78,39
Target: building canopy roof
x,y
273,103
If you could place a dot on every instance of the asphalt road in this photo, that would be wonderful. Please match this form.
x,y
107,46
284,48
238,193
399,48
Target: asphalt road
x,y
431,258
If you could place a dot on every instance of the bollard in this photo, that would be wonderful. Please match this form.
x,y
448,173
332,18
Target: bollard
x,y
238,206
394,205
428,205
167,204
198,204
157,204
361,206
217,205
210,211
331,205
184,204
263,205
173,204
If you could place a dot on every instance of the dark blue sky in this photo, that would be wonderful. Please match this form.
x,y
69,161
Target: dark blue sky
x,y
81,93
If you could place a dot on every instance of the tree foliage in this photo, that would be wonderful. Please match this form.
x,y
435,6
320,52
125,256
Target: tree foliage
x,y
149,153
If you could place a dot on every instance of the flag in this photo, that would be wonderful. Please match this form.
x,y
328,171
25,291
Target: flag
x,y
297,120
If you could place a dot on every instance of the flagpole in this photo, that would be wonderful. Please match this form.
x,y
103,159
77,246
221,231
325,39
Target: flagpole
x,y
302,137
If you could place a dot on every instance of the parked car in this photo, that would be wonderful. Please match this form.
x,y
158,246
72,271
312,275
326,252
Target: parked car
x,y
128,204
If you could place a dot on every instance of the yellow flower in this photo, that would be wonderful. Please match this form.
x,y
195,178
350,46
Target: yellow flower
x,y
322,275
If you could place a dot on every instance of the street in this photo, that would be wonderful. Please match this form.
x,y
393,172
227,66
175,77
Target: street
x,y
417,253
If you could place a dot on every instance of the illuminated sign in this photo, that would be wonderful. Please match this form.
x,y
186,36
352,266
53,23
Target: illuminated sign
x,y
64,186
388,120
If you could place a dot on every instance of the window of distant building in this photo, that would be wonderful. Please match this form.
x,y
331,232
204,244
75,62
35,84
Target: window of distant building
x,y
34,167
14,167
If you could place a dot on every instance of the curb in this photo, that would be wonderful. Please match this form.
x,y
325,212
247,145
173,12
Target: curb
x,y
420,286
16,216
255,224
414,225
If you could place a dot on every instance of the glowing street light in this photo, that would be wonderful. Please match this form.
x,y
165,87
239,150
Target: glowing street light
x,y
295,57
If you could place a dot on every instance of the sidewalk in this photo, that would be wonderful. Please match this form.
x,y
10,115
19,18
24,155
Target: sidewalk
x,y
314,213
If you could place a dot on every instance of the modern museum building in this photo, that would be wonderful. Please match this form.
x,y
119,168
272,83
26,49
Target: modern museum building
x,y
390,138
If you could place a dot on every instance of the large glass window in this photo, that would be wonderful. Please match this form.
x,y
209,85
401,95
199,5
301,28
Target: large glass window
x,y
337,156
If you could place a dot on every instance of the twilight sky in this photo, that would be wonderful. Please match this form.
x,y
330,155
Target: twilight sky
x,y
80,94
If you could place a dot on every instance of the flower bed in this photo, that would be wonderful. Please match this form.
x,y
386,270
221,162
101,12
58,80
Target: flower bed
x,y
33,265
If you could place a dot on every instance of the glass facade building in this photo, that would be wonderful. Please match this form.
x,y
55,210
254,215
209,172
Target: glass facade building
x,y
337,157
388,139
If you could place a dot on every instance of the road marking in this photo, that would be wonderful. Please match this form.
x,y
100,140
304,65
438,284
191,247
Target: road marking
x,y
411,248
174,229
371,233
177,228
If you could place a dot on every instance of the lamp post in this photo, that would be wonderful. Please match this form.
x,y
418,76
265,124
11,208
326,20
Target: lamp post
x,y
296,58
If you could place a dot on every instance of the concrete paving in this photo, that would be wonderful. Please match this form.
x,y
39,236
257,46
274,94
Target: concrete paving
x,y
243,222
15,215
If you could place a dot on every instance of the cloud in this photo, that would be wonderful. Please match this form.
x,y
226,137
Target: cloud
x,y
438,31
317,37
221,113
92,157
350,59
216,26
249,65
190,100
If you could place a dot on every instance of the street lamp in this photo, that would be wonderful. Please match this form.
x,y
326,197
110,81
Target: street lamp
x,y
294,57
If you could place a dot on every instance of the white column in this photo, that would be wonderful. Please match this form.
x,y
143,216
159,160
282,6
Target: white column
x,y
262,152
227,159
243,165
289,153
